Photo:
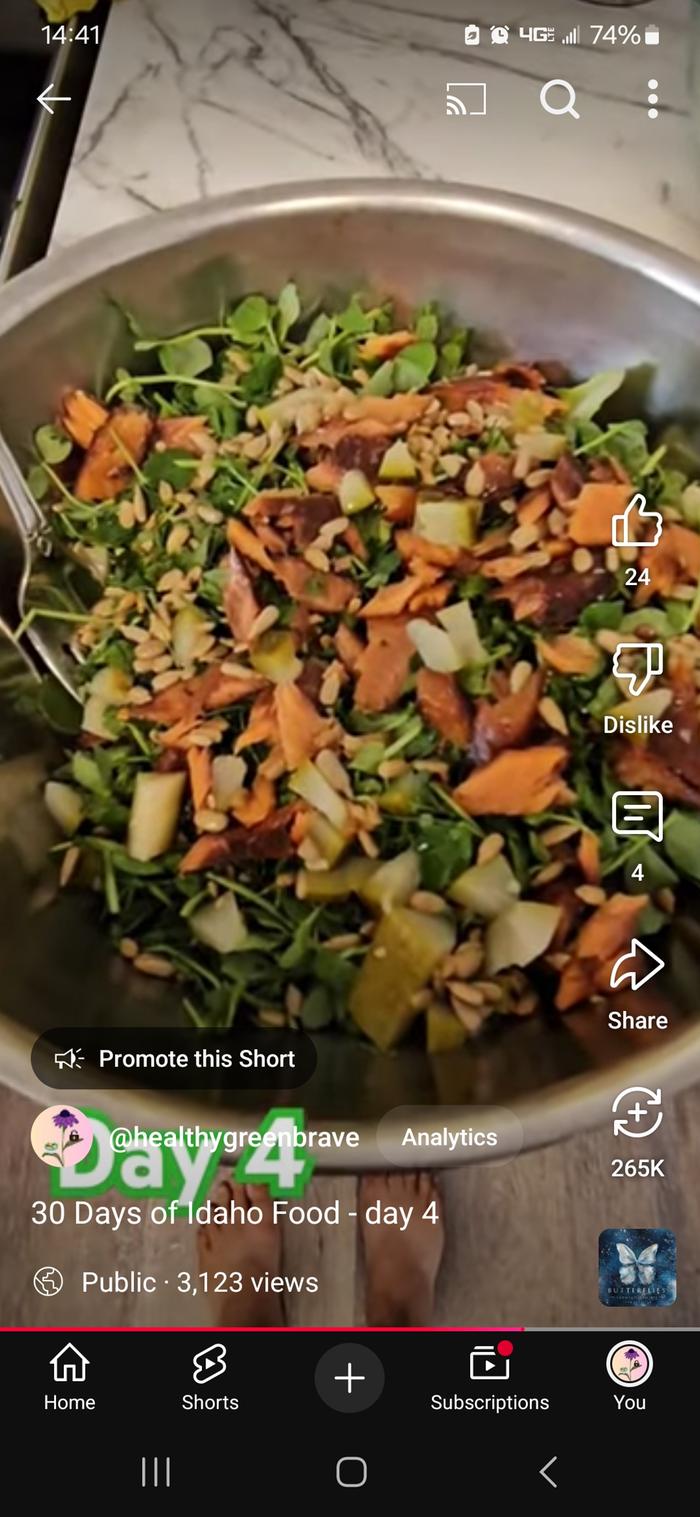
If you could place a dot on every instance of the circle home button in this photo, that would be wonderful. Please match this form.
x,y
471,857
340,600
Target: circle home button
x,y
351,1472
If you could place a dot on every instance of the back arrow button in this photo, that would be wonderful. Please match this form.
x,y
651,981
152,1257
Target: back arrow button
x,y
548,1466
48,100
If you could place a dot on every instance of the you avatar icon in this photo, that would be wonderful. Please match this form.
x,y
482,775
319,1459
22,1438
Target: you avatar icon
x,y
629,1362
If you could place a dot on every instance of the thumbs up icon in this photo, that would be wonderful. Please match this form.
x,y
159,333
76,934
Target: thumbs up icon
x,y
631,528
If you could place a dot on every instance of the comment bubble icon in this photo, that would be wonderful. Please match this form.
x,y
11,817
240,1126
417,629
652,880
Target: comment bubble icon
x,y
638,814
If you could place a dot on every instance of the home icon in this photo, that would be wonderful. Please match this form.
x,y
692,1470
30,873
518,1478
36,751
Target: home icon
x,y
69,1364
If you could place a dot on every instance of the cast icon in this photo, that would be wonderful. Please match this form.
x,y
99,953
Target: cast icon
x,y
471,103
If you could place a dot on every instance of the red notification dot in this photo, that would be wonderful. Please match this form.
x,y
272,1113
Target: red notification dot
x,y
504,1348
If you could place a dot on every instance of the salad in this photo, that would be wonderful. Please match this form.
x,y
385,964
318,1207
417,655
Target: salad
x,y
342,754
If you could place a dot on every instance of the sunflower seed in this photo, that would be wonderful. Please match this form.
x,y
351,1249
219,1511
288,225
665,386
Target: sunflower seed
x,y
465,994
153,964
549,873
524,537
263,621
592,895
69,864
553,715
520,674
127,515
475,482
208,820
210,515
428,902
490,848
166,679
177,538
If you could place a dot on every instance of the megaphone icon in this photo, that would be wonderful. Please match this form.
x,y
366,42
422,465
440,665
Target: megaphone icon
x,y
71,1059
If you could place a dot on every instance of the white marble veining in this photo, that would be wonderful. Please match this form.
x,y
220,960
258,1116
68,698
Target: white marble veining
x,y
193,98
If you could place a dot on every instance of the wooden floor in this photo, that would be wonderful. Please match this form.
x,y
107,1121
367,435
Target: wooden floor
x,y
521,1240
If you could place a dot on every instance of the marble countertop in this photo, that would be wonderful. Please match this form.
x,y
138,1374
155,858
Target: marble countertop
x,y
194,98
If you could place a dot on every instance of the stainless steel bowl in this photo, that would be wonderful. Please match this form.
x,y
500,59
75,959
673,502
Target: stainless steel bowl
x,y
531,280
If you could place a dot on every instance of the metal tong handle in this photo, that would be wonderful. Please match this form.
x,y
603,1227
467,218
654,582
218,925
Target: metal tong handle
x,y
30,521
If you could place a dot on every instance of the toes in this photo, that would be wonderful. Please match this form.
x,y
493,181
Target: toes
x,y
374,1188
259,1195
239,1195
427,1187
221,1196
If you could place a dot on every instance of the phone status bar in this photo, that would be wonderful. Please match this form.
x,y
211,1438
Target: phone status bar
x,y
625,34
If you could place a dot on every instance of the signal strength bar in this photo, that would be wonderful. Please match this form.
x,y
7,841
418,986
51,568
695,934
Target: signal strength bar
x,y
573,37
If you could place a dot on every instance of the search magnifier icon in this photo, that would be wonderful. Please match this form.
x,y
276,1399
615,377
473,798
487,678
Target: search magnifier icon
x,y
569,108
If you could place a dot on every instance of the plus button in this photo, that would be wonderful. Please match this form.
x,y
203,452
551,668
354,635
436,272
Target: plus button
x,y
348,1378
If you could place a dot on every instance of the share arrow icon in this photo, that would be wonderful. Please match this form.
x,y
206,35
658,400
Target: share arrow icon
x,y
625,969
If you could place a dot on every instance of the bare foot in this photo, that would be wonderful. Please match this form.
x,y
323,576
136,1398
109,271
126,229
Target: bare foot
x,y
401,1267
245,1248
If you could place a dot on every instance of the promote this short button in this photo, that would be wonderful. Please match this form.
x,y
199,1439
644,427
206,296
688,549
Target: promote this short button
x,y
349,1377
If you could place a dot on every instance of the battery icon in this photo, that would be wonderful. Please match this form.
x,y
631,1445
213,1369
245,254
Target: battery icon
x,y
652,36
